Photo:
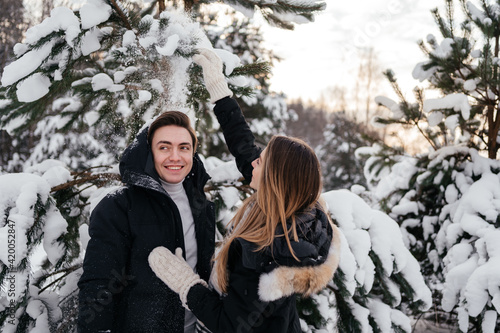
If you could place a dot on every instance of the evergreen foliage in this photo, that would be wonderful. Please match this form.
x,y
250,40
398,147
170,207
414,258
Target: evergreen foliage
x,y
341,167
98,75
445,200
463,67
80,87
281,13
378,282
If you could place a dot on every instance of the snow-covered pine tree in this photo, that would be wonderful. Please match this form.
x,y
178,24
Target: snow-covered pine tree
x,y
82,84
378,283
341,167
111,74
42,233
281,13
265,110
447,200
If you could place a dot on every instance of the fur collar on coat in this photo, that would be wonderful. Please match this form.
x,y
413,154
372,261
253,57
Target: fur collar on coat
x,y
319,251
285,281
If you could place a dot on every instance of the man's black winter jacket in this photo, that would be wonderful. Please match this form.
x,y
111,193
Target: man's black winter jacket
x,y
118,290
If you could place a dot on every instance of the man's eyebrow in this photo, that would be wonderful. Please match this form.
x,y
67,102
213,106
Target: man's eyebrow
x,y
170,143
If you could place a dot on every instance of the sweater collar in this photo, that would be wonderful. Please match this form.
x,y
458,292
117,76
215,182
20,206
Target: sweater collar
x,y
172,188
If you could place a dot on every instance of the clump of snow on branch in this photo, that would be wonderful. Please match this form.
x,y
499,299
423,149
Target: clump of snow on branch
x,y
94,12
81,36
457,102
391,105
472,240
475,12
60,19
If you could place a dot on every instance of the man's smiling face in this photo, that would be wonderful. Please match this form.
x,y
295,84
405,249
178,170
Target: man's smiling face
x,y
172,148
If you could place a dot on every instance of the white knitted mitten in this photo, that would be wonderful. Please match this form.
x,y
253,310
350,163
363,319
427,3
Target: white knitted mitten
x,y
212,74
174,271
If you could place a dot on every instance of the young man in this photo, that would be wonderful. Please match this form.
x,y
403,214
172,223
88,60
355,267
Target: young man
x,y
161,204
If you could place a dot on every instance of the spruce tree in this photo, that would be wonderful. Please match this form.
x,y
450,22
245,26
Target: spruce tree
x,y
378,284
89,80
341,167
445,200
82,84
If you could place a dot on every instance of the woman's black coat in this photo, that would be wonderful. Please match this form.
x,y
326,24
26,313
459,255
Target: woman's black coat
x,y
118,290
262,285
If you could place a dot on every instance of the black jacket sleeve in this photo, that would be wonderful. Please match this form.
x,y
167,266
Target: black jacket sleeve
x,y
240,310
237,312
104,267
239,138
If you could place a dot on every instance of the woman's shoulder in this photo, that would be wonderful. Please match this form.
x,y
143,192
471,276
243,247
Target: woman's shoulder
x,y
314,232
251,258
318,250
284,281
279,274
314,238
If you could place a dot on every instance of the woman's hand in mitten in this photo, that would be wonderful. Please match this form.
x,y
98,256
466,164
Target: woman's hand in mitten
x,y
174,271
215,81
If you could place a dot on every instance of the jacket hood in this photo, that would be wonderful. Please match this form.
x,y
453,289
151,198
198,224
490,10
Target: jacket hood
x,y
314,238
318,250
137,166
285,281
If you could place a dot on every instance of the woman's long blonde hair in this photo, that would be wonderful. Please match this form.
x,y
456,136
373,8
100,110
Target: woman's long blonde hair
x,y
290,183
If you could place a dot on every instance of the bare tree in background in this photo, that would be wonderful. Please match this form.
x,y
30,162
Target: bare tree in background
x,y
308,123
369,77
12,26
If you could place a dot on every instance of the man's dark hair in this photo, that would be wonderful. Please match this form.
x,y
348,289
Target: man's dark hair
x,y
175,118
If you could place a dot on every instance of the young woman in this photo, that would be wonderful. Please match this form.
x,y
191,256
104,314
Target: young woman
x,y
280,243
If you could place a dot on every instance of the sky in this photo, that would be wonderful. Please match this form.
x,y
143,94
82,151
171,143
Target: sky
x,y
325,53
